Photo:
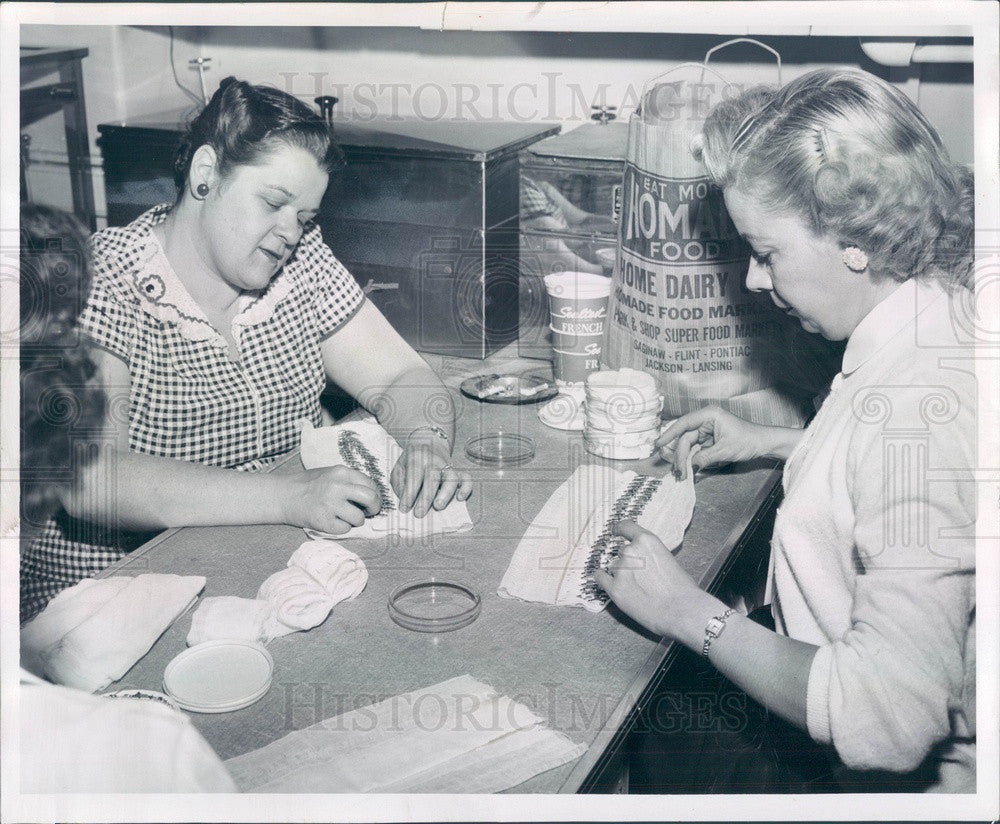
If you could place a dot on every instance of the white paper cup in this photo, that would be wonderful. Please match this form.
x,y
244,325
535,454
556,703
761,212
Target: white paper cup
x,y
567,341
573,367
577,301
578,306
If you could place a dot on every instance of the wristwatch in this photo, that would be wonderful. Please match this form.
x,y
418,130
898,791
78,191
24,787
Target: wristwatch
x,y
713,629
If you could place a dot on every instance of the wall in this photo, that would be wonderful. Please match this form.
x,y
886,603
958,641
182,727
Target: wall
x,y
535,76
126,72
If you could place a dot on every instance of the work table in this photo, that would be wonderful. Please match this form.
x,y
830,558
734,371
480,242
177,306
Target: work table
x,y
586,673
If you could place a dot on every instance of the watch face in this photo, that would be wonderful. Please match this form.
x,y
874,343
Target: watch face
x,y
714,626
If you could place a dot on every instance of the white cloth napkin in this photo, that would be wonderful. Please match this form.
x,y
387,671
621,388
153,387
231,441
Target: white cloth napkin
x,y
298,601
226,617
92,633
320,575
554,560
320,447
456,736
338,570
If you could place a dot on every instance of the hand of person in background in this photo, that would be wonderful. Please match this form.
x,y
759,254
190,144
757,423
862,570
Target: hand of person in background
x,y
575,216
713,436
332,499
646,582
424,477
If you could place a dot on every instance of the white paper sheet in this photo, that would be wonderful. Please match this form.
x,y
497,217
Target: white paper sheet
x,y
456,736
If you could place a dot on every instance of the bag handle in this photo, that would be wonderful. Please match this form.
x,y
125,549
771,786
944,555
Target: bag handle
x,y
764,46
687,65
648,87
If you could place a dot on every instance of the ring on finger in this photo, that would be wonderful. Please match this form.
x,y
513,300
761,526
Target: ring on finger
x,y
445,468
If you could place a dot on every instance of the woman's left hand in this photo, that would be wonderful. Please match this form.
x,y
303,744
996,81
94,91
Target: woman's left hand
x,y
424,477
648,583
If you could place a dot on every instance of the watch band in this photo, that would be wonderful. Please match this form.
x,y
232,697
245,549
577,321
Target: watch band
x,y
713,629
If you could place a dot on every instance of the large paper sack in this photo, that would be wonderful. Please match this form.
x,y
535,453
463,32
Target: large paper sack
x,y
679,308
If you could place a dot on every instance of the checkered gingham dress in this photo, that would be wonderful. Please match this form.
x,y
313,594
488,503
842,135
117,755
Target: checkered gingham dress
x,y
188,399
535,202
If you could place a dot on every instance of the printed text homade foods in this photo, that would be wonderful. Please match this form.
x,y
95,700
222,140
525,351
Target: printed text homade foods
x,y
677,221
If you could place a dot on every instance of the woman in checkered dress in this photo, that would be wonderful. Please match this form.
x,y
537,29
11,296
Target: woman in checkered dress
x,y
217,322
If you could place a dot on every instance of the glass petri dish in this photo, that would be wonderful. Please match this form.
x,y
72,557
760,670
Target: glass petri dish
x,y
434,606
500,448
219,676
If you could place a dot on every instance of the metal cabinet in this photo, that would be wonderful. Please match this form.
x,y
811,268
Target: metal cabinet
x,y
424,215
570,199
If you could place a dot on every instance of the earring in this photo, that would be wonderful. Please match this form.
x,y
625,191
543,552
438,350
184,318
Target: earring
x,y
201,191
855,259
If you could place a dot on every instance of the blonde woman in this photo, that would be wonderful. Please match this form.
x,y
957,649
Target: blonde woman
x,y
861,229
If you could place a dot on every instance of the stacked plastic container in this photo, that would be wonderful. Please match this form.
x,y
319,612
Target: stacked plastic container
x,y
622,414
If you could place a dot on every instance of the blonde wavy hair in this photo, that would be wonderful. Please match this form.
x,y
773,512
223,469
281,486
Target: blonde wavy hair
x,y
853,156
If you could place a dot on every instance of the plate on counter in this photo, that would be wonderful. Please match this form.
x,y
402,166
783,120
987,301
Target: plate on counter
x,y
526,388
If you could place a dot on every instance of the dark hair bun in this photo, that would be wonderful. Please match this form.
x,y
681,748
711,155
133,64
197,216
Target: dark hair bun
x,y
242,121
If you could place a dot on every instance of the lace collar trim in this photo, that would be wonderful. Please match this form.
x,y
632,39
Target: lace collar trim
x,y
163,295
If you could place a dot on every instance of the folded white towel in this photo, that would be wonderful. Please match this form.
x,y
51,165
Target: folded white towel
x,y
319,575
297,599
96,631
229,618
68,609
323,447
568,539
338,570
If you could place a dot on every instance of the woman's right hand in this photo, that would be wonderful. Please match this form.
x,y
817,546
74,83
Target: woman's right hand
x,y
333,499
715,437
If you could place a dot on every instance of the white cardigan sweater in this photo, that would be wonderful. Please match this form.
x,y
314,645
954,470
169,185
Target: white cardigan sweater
x,y
873,553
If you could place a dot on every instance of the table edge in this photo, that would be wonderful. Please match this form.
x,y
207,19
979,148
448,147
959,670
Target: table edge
x,y
600,749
